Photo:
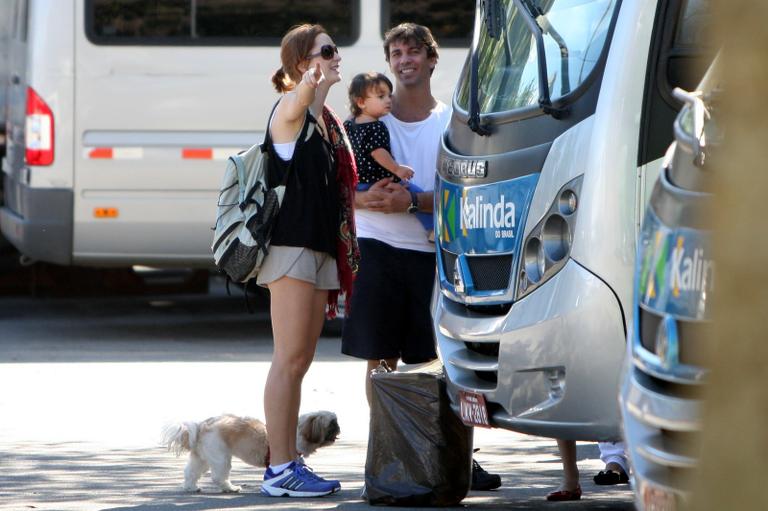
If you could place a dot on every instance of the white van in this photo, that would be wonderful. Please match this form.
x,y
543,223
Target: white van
x,y
122,112
6,24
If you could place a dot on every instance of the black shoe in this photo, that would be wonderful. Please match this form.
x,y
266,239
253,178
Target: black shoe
x,y
482,480
610,477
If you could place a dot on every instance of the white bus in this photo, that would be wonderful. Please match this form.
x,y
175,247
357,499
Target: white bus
x,y
122,112
666,369
560,122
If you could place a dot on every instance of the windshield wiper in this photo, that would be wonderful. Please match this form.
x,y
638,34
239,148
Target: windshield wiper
x,y
487,12
531,12
546,27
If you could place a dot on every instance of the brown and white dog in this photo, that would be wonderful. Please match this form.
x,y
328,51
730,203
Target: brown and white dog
x,y
213,442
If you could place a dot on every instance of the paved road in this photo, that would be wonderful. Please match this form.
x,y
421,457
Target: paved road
x,y
87,385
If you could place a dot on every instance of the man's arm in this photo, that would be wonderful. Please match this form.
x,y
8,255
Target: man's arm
x,y
426,202
388,197
423,200
371,198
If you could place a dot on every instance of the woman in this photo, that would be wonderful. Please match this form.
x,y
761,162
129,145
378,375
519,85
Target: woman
x,y
313,252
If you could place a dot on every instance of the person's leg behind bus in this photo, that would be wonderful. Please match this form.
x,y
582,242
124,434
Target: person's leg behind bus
x,y
616,470
569,489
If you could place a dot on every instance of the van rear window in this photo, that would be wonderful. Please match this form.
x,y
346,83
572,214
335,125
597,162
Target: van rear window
x,y
215,22
450,21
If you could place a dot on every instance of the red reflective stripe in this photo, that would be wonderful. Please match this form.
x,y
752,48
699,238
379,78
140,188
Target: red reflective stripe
x,y
101,152
197,154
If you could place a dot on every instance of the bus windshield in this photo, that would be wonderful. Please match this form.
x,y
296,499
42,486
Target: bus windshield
x,y
574,33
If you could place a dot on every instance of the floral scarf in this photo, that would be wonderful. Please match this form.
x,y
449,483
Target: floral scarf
x,y
347,251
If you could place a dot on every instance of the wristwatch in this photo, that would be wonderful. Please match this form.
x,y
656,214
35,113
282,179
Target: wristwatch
x,y
414,206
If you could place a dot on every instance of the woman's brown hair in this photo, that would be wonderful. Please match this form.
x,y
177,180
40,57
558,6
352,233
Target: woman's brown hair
x,y
297,43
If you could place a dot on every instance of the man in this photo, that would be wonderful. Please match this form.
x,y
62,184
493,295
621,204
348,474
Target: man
x,y
390,309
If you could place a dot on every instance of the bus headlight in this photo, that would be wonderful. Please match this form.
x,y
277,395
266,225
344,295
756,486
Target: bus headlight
x,y
533,259
556,235
547,246
568,202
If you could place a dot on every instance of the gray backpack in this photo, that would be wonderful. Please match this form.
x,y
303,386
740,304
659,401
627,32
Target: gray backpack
x,y
248,208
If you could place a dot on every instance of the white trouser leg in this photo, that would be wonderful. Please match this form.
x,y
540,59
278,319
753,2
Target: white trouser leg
x,y
613,452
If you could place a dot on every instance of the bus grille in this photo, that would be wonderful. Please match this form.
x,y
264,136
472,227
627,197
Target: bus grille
x,y
449,265
649,325
490,273
693,346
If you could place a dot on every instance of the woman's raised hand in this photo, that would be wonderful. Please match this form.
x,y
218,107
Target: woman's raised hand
x,y
313,77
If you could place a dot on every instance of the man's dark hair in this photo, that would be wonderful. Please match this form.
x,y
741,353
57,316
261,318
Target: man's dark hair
x,y
411,33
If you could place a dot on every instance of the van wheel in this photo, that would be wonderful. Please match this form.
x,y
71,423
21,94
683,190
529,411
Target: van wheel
x,y
14,278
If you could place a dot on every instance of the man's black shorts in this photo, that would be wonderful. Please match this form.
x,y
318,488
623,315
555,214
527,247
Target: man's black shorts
x,y
390,316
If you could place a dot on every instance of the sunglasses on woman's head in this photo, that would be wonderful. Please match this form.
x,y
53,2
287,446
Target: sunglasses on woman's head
x,y
326,51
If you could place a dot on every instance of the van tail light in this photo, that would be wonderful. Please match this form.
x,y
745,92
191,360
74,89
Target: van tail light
x,y
39,130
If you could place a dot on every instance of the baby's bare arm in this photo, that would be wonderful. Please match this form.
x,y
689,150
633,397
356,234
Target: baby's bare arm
x,y
383,158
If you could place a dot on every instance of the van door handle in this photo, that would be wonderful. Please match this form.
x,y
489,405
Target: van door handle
x,y
15,79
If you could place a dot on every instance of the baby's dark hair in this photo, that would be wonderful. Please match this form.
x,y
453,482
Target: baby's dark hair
x,y
361,84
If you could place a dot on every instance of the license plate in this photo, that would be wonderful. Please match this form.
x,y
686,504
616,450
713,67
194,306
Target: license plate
x,y
656,499
472,409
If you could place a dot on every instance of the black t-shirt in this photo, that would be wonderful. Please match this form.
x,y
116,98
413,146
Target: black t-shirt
x,y
366,138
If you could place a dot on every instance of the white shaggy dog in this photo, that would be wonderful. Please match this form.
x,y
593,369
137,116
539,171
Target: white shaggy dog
x,y
213,442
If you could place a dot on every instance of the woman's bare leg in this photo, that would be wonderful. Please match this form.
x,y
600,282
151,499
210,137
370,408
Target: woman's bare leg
x,y
317,320
294,311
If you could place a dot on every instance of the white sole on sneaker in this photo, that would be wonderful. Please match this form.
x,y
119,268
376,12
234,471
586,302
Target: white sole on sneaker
x,y
270,491
297,481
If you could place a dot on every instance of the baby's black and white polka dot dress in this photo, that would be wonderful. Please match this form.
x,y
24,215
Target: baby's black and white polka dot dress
x,y
365,138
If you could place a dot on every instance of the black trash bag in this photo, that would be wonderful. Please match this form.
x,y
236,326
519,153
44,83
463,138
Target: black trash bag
x,y
419,452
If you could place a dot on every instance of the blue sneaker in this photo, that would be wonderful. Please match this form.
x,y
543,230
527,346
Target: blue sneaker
x,y
296,481
300,461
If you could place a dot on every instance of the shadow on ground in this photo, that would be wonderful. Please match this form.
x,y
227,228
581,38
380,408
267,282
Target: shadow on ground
x,y
80,476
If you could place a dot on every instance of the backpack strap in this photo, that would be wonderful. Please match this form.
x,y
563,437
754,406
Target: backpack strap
x,y
308,118
299,142
240,166
267,137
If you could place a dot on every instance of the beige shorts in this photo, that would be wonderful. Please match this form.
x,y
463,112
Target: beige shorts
x,y
300,263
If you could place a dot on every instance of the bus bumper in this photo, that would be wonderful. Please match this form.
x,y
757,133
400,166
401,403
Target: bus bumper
x,y
661,427
550,366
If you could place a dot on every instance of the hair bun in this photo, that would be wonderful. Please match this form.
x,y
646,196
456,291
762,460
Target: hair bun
x,y
281,81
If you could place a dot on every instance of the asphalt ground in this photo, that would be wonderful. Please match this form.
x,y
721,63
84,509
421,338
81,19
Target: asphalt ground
x,y
87,384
